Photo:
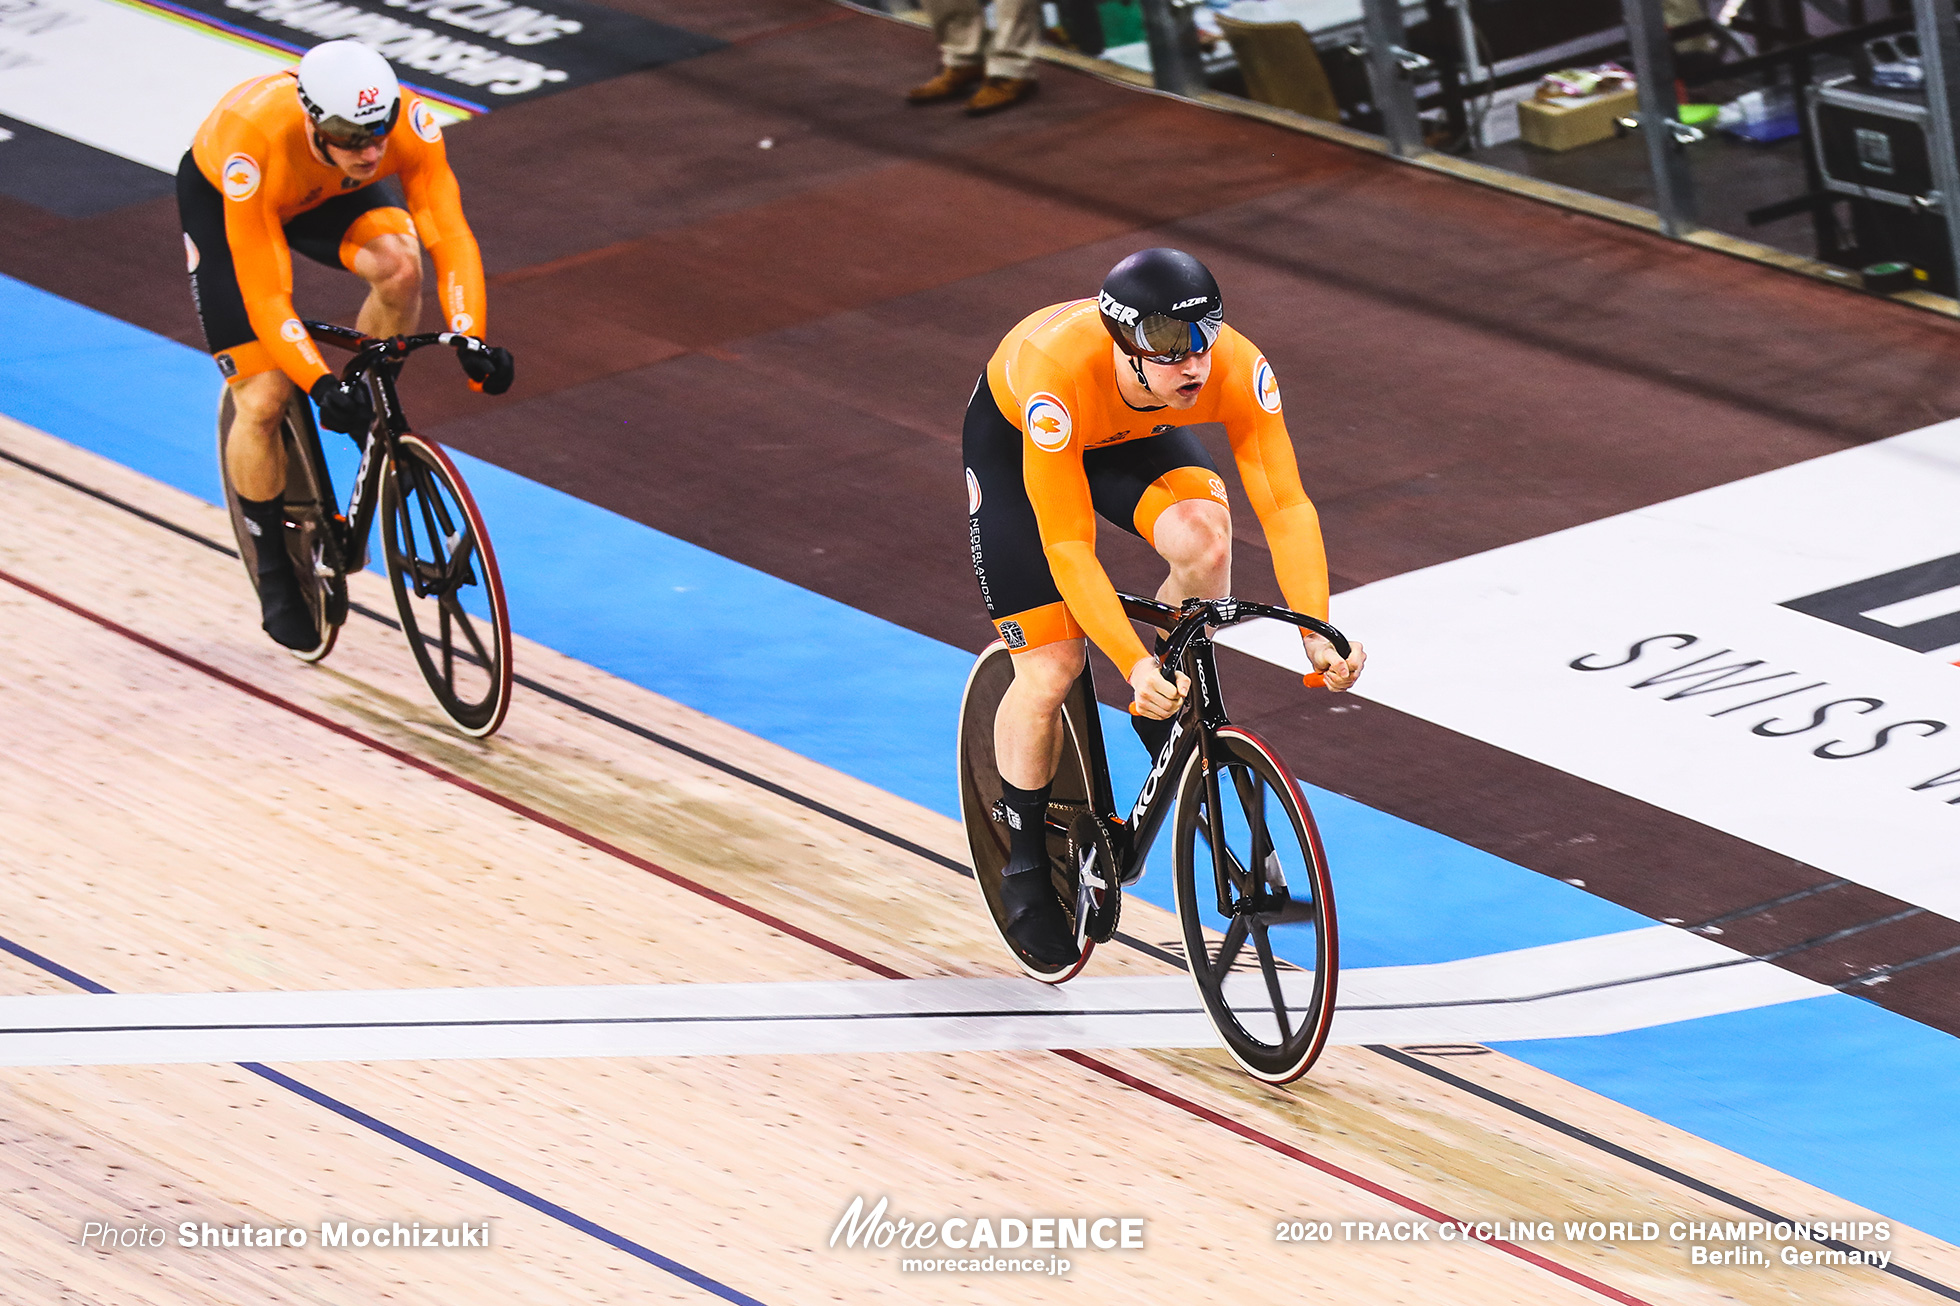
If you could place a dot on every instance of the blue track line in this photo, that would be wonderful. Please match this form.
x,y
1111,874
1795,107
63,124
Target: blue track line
x,y
539,1204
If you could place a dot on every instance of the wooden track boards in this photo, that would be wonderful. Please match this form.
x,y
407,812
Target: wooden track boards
x,y
167,831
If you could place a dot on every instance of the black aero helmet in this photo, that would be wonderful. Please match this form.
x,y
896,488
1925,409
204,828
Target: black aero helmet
x,y
1162,304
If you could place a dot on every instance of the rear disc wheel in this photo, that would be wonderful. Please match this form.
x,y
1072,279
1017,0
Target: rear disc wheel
x,y
1077,847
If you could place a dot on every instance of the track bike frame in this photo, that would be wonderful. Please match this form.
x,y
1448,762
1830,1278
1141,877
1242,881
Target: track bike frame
x,y
1186,646
376,364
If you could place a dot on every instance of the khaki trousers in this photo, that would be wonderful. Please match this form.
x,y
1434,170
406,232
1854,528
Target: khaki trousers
x,y
964,40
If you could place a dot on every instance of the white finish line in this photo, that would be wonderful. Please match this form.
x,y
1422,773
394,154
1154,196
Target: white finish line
x,y
1601,985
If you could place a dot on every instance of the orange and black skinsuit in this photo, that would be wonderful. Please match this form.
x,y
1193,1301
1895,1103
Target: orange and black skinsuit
x,y
1050,443
251,190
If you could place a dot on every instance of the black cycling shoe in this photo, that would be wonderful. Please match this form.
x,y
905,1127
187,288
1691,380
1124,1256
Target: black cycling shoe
x,y
288,616
1035,919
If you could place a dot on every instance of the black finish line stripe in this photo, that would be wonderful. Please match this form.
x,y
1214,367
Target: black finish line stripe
x,y
542,1205
548,1022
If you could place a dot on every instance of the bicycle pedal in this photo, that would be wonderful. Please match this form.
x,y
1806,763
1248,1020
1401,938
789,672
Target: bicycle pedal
x,y
1264,902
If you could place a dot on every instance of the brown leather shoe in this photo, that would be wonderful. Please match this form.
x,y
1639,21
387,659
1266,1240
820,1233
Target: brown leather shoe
x,y
949,83
997,93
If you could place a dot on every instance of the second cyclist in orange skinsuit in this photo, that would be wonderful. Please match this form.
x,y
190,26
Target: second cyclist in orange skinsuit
x,y
291,161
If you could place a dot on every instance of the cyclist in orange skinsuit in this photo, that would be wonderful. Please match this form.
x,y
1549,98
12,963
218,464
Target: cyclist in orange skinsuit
x,y
1065,426
287,162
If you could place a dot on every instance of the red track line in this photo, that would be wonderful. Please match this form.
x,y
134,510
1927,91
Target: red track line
x,y
1286,1149
1083,1060
489,795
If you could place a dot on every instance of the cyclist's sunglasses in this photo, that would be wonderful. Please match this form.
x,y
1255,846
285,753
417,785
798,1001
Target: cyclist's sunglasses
x,y
1161,338
352,136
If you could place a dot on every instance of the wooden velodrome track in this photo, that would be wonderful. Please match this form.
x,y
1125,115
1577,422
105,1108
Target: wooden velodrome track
x,y
189,810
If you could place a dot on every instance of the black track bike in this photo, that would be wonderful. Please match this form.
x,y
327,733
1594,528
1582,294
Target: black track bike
x,y
1249,872
439,561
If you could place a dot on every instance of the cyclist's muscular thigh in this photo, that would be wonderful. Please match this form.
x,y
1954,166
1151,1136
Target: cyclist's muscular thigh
x,y
1195,537
255,456
1028,726
391,264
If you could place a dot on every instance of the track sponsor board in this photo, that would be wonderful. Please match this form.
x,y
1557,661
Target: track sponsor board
x,y
1774,658
122,78
134,79
478,52
68,178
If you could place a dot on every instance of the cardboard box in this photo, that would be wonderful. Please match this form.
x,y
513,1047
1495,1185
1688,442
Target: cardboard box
x,y
1568,124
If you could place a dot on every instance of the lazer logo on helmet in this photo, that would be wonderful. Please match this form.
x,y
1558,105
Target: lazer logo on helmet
x,y
1183,304
1118,312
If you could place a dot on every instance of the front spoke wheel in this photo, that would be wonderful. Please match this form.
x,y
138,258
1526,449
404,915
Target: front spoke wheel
x,y
1249,868
447,587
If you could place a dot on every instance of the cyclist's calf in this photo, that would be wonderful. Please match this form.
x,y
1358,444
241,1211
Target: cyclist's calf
x,y
1028,727
255,456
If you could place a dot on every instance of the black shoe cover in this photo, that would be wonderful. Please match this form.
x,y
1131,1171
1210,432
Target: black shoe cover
x,y
1036,920
287,617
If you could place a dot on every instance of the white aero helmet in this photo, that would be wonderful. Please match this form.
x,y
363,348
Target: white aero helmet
x,y
349,92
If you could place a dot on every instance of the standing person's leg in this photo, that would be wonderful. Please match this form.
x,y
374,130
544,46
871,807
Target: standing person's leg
x,y
1082,23
961,30
1010,57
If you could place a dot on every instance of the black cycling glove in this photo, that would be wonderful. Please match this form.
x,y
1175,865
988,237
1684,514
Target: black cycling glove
x,y
490,369
346,409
